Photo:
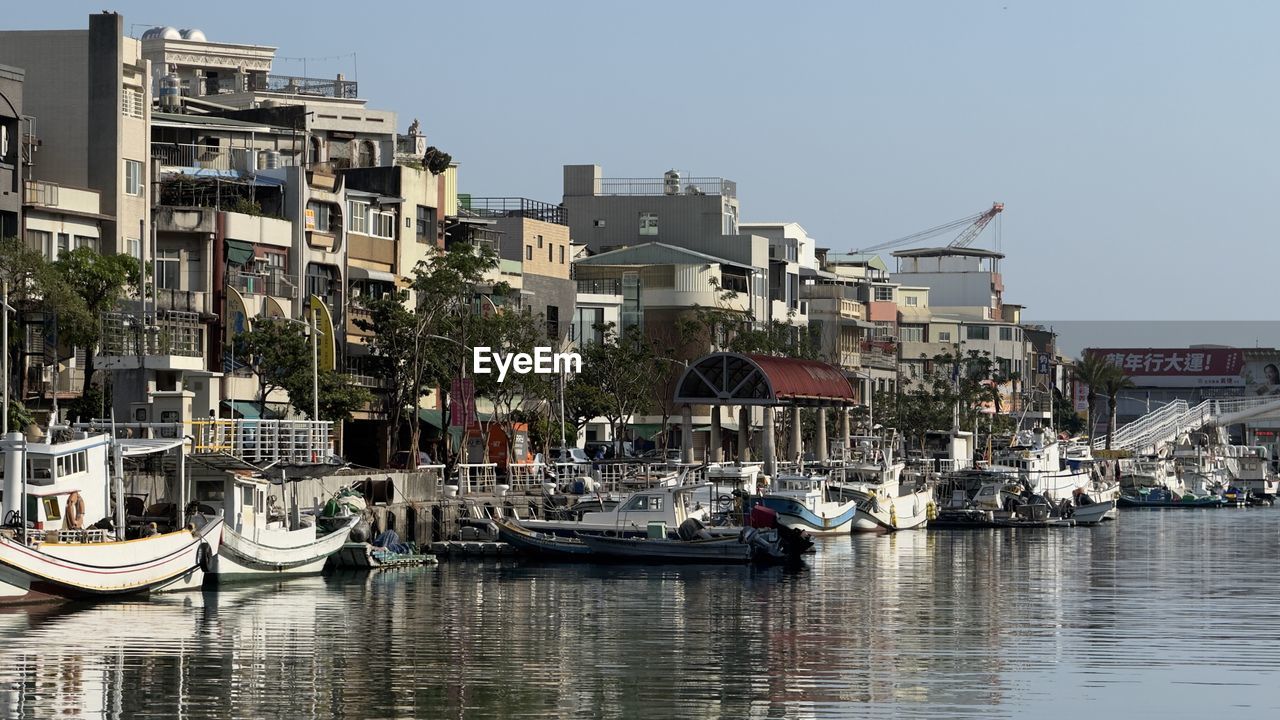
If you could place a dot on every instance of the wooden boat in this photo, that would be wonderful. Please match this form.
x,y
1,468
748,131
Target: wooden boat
x,y
716,550
1159,497
56,555
258,543
540,544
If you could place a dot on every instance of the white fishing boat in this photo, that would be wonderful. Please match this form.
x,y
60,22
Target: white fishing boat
x,y
59,542
1247,468
262,539
668,504
862,493
1034,458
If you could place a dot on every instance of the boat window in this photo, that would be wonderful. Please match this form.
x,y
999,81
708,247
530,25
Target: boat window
x,y
643,503
247,492
51,509
41,470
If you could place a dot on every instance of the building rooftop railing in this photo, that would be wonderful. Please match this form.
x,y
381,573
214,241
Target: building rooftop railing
x,y
295,85
513,207
605,286
661,186
167,332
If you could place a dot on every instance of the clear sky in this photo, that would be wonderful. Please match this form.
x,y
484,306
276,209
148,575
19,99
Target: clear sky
x,y
1134,143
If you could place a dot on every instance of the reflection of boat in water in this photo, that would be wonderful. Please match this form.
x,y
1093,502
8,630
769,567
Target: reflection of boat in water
x,y
52,490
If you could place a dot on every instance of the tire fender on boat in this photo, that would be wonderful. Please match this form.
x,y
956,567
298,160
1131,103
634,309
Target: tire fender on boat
x,y
204,556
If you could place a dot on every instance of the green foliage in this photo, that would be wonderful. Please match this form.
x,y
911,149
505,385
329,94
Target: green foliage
x,y
280,354
94,402
245,206
339,397
436,161
622,368
955,388
406,326
20,418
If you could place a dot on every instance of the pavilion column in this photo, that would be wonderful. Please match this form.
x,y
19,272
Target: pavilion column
x,y
797,445
821,436
770,456
717,446
744,433
844,428
686,434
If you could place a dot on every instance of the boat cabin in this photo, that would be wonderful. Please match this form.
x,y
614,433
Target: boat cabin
x,y
53,472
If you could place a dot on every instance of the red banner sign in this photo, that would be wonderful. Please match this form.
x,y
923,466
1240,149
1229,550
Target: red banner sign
x,y
1178,366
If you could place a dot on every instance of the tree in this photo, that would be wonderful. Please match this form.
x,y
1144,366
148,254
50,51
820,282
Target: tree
x,y
277,352
622,367
1116,381
583,399
1093,370
101,282
339,397
406,327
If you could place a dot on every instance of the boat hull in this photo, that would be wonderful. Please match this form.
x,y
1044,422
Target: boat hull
x,y
89,571
539,544
242,559
728,550
826,519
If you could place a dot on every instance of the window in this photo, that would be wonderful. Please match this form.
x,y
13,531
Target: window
x,y
911,333
40,241
553,321
539,242
561,254
132,177
598,223
321,216
551,253
648,223
944,336
528,252
587,322
85,241
383,224
884,294
911,300
368,156
64,245
168,268
131,103
978,332
426,224
357,217
632,312
1006,333
135,247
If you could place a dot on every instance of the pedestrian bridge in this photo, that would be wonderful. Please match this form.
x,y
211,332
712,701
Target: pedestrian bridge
x,y
1164,426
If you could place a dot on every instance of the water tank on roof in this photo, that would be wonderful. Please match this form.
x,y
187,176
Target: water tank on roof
x,y
194,34
671,183
170,92
162,33
271,159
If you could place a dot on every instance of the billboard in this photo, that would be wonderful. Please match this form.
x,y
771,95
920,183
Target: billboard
x,y
1179,367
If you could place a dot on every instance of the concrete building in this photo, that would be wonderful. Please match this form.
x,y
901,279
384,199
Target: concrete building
x,y
963,278
90,94
11,151
535,234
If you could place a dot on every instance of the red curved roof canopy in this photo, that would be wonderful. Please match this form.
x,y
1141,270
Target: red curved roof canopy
x,y
740,379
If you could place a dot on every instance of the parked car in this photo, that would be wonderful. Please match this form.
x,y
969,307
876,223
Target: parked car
x,y
569,455
671,455
402,460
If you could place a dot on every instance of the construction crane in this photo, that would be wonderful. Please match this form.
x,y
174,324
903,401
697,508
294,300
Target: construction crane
x,y
973,226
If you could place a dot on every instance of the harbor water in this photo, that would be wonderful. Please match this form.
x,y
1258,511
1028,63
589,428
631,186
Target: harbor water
x,y
1160,614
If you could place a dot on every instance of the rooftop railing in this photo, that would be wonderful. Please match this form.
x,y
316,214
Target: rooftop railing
x,y
662,186
514,207
274,284
294,85
209,157
167,332
608,286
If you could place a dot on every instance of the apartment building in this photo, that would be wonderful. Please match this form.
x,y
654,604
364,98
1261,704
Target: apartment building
x,y
11,151
89,92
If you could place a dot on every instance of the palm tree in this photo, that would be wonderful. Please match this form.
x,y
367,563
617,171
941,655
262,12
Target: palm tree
x,y
1114,383
1093,370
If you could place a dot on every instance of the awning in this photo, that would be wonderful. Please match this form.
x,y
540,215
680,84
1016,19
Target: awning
x,y
738,379
358,273
248,410
239,252
134,447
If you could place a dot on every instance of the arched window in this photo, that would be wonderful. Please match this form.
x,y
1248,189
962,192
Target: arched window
x,y
316,148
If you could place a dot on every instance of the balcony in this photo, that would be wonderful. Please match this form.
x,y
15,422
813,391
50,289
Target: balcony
x,y
275,284
607,286
316,87
166,340
205,157
493,207
40,381
881,354
39,192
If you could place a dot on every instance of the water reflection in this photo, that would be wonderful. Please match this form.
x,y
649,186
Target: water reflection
x,y
1161,611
